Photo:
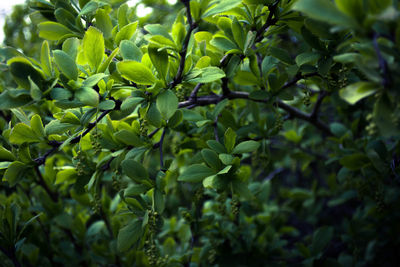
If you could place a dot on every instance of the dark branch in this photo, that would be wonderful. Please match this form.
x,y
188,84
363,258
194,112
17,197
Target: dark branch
x,y
387,79
216,128
161,149
321,96
182,53
271,20
196,89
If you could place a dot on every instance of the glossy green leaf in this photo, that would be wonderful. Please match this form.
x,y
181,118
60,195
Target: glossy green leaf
x,y
93,47
129,235
211,158
136,72
167,104
129,51
153,116
195,173
222,6
45,59
37,125
22,133
357,91
246,147
52,31
66,64
15,172
160,61
88,96
126,32
128,137
229,139
134,170
6,155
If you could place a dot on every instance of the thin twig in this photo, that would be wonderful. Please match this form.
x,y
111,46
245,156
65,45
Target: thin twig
x,y
161,148
216,128
387,79
270,21
321,96
196,89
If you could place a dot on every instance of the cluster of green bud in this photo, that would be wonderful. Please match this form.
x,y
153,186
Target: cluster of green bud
x,y
198,195
116,184
96,203
307,98
79,165
339,80
221,201
181,92
187,216
95,142
152,222
371,128
151,253
235,206
380,203
343,81
143,128
278,124
212,256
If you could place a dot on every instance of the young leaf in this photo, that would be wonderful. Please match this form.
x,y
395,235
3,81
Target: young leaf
x,y
37,125
136,72
211,158
52,31
45,59
126,32
153,116
88,96
66,64
229,139
93,47
357,91
22,133
129,235
246,147
134,170
15,172
167,104
195,173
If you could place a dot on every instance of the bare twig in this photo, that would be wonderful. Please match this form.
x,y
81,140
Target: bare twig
x,y
271,20
321,96
161,149
196,89
387,79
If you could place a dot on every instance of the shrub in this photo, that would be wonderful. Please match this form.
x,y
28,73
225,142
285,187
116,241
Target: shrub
x,y
207,133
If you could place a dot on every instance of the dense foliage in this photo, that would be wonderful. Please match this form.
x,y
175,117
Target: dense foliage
x,y
207,133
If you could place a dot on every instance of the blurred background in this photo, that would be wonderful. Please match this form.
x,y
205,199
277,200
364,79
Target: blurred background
x,y
5,9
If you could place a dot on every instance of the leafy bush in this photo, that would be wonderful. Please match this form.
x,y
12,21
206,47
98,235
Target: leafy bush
x,y
207,133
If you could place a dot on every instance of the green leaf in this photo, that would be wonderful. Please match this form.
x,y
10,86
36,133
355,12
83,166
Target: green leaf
x,y
21,70
347,58
229,139
242,189
128,137
281,54
129,235
87,96
195,173
106,105
52,30
45,59
66,64
158,201
9,100
321,238
93,80
65,17
307,58
383,116
22,133
131,102
159,60
126,32
6,155
357,91
153,116
354,161
216,146
222,6
129,51
57,127
324,10
211,158
226,158
15,173
93,47
246,147
37,125
209,74
134,170
167,104
223,44
136,72
245,78
176,119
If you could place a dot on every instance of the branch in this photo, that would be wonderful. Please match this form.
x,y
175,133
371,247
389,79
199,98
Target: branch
x,y
270,21
196,89
182,53
387,79
216,128
55,144
161,149
317,106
